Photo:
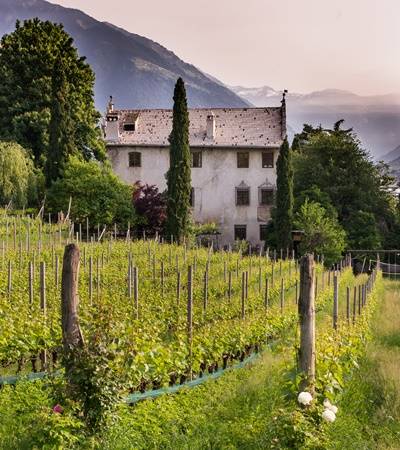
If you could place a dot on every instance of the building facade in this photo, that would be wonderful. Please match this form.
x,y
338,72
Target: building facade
x,y
234,154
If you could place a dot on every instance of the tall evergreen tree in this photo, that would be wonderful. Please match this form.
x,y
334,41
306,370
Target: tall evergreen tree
x,y
179,175
61,129
284,197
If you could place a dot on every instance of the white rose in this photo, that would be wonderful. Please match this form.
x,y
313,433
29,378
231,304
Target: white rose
x,y
304,398
329,415
328,405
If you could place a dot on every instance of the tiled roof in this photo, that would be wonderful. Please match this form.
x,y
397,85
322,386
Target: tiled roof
x,y
234,127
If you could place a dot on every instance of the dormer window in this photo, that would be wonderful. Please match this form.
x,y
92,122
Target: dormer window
x,y
129,127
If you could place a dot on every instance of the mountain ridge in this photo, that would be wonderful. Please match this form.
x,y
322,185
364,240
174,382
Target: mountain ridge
x,y
137,71
141,73
375,119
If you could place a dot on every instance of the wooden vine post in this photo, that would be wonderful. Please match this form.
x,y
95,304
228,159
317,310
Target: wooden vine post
x,y
307,323
43,308
335,302
190,316
71,333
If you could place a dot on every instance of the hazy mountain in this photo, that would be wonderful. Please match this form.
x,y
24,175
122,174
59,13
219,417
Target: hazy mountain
x,y
392,155
141,73
376,119
138,72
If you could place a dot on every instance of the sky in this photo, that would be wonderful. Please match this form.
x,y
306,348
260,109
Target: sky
x,y
300,45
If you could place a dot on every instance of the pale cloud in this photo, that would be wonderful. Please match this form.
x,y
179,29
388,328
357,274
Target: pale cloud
x,y
301,45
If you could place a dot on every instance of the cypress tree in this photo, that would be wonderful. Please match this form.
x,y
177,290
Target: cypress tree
x,y
61,130
179,175
284,197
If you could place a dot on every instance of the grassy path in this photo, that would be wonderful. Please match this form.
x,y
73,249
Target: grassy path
x,y
235,412
369,415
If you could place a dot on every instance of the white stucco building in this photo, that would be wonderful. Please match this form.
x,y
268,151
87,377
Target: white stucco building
x,y
234,154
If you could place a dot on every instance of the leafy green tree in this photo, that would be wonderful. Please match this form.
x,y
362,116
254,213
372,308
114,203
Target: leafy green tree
x,y
301,139
179,175
334,162
362,231
61,133
314,194
322,234
19,182
283,213
27,59
96,193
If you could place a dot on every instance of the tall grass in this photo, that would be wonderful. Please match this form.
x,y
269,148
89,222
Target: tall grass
x,y
370,408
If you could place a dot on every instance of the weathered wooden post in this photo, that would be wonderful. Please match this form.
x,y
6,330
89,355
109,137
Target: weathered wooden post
x,y
71,332
130,273
247,285
190,316
335,301
9,277
230,285
30,282
307,322
136,290
266,300
162,272
91,279
243,295
272,274
282,295
43,303
178,287
43,308
205,289
348,305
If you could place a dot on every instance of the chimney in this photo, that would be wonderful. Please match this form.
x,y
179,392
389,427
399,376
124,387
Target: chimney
x,y
211,126
111,131
283,112
110,106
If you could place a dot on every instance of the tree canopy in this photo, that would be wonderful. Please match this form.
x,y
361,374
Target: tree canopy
x,y
96,193
28,57
333,163
322,233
